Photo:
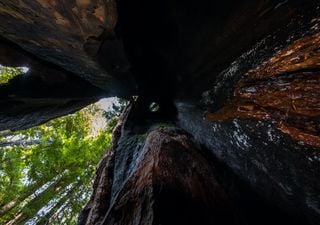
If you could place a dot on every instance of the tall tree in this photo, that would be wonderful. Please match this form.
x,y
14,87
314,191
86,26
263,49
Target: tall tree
x,y
46,172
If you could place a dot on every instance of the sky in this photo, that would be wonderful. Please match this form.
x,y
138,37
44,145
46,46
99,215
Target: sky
x,y
106,103
100,122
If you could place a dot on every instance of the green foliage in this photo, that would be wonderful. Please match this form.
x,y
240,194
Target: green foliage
x,y
46,175
7,73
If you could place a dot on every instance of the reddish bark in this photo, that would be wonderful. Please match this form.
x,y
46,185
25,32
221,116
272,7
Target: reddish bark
x,y
171,184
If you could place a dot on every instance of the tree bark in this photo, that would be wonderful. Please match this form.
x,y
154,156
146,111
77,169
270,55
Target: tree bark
x,y
68,34
242,77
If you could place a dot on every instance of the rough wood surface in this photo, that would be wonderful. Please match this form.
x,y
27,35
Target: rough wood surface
x,y
66,33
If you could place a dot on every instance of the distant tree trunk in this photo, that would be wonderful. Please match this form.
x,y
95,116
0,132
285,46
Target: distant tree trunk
x,y
19,143
20,216
67,195
5,133
7,207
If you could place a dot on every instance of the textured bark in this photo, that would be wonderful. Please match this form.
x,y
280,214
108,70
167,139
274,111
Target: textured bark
x,y
170,182
70,47
285,89
155,174
99,203
241,76
44,93
69,34
260,117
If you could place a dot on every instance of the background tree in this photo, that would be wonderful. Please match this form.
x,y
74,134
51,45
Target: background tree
x,y
46,172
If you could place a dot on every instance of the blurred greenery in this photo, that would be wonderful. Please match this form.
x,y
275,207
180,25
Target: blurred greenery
x,y
7,73
46,172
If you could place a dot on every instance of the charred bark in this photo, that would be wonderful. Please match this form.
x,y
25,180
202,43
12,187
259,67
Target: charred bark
x,y
43,93
165,180
69,34
241,77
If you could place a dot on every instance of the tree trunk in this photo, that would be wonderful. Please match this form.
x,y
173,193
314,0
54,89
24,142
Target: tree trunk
x,y
233,133
30,209
19,143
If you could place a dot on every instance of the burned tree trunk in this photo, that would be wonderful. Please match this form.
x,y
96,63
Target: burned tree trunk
x,y
163,180
69,34
155,174
236,85
73,54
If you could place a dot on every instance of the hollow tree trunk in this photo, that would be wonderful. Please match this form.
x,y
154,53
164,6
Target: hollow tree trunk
x,y
74,56
157,177
241,77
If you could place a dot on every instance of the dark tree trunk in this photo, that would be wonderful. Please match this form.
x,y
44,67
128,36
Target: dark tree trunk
x,y
241,77
165,179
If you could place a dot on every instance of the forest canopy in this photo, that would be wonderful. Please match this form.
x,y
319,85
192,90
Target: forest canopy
x,y
46,172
